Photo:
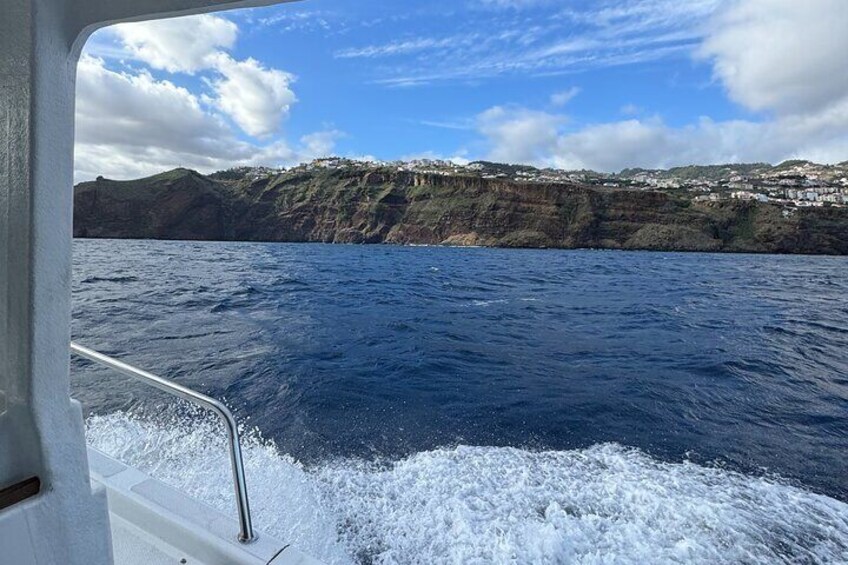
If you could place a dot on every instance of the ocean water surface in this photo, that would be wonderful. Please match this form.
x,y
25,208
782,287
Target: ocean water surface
x,y
427,405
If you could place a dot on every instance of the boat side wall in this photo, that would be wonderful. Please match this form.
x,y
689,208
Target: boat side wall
x,y
41,430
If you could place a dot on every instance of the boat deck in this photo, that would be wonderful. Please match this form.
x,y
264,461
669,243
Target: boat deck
x,y
154,524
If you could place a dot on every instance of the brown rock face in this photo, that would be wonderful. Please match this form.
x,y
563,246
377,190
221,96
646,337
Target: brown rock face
x,y
179,204
380,205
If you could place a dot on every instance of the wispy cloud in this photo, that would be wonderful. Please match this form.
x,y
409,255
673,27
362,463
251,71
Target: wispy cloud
x,y
753,46
402,47
287,20
511,4
459,125
564,97
499,42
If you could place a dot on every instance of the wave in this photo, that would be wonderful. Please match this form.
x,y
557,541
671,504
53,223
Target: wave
x,y
93,280
485,303
603,504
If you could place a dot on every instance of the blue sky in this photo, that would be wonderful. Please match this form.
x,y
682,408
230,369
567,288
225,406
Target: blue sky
x,y
604,84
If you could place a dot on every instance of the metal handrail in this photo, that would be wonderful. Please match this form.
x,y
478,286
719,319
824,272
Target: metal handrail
x,y
246,533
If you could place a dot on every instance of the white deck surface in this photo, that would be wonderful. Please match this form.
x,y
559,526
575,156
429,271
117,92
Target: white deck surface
x,y
154,524
132,545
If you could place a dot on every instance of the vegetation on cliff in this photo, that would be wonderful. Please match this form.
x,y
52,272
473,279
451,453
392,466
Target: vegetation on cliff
x,y
385,205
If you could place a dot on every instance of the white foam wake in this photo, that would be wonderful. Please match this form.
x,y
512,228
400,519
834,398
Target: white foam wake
x,y
605,504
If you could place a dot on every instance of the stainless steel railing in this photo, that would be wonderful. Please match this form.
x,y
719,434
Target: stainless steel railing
x,y
246,533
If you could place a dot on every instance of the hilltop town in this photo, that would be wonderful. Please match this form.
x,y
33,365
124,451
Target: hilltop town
x,y
795,207
792,184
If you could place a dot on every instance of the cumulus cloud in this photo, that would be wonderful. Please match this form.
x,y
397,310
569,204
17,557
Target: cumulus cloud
x,y
519,135
125,109
784,58
255,97
459,157
130,124
180,44
781,55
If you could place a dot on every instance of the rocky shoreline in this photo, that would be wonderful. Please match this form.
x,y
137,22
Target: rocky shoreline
x,y
372,205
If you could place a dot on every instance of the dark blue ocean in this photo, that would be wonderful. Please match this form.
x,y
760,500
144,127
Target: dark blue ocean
x,y
387,381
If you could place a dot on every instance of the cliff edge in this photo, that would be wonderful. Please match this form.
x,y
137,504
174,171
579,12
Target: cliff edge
x,y
382,205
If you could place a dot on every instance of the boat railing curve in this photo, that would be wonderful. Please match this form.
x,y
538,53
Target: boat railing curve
x,y
246,533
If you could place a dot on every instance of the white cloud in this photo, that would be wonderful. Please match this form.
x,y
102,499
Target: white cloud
x,y
559,38
610,147
459,157
402,47
458,125
286,20
255,97
134,108
321,143
129,124
782,58
564,97
512,4
782,55
179,44
518,134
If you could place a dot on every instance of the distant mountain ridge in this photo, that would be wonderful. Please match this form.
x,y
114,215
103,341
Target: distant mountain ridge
x,y
385,203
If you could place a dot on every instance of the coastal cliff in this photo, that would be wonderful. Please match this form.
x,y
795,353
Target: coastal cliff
x,y
383,205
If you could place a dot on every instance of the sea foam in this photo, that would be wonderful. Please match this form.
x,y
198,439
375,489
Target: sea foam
x,y
603,504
